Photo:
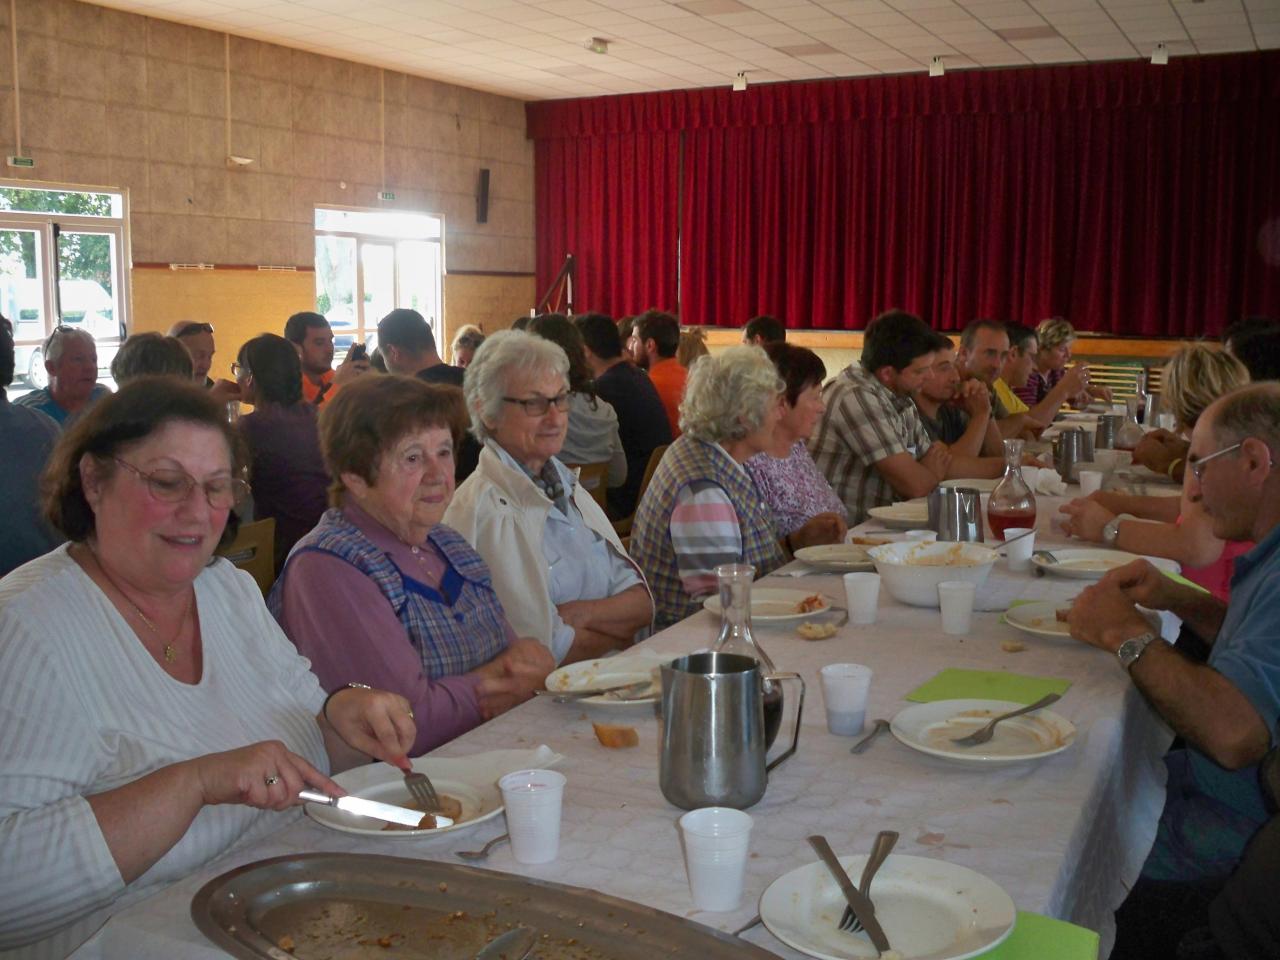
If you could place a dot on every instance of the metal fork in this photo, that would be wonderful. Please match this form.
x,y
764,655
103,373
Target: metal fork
x,y
986,733
880,851
422,791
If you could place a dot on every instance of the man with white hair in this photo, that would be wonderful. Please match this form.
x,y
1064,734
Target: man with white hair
x,y
1225,710
71,360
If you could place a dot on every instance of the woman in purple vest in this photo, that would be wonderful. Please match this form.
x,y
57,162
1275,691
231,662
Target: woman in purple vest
x,y
381,592
701,508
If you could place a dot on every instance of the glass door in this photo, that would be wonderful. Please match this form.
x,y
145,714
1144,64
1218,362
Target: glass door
x,y
89,285
23,297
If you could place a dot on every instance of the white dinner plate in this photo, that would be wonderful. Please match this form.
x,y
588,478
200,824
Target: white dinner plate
x,y
1093,564
773,605
981,484
472,780
1039,618
612,672
908,515
930,728
930,910
837,557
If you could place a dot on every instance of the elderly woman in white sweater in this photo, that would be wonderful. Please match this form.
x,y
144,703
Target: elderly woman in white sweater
x,y
152,714
557,564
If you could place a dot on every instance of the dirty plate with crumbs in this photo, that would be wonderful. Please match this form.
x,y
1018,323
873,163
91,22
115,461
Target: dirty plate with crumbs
x,y
349,907
931,728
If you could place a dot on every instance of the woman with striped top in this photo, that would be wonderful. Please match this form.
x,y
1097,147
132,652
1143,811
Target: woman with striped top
x,y
152,715
701,508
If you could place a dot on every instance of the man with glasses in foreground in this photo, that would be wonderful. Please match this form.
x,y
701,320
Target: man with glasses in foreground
x,y
71,360
1225,710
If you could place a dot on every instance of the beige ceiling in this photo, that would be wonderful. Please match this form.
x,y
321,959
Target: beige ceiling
x,y
536,49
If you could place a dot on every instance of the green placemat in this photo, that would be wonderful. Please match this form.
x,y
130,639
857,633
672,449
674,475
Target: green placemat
x,y
1037,937
952,684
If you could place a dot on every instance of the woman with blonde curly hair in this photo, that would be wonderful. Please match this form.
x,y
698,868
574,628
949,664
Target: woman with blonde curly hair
x,y
1054,338
701,508
1177,528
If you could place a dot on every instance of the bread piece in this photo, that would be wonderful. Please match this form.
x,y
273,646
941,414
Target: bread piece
x,y
816,631
1013,646
616,737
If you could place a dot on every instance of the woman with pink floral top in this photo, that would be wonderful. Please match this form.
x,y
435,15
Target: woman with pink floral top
x,y
786,476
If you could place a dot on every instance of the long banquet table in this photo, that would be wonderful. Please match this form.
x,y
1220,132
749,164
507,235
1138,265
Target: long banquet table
x,y
1065,836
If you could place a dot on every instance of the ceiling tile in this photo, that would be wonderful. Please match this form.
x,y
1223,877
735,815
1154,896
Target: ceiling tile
x,y
510,46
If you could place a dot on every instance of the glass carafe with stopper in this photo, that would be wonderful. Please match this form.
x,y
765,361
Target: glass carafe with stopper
x,y
736,637
1012,503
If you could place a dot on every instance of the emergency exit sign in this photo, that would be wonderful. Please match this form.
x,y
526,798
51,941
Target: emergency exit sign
x,y
22,161
386,195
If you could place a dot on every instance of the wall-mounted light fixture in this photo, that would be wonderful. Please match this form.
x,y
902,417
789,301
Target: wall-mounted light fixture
x,y
740,81
936,69
597,45
1160,55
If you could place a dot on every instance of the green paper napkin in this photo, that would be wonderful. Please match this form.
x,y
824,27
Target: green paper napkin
x,y
1036,937
953,684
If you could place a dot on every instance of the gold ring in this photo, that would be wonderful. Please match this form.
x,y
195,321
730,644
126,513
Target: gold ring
x,y
271,780
410,713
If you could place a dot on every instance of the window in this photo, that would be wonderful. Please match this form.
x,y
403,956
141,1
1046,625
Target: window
x,y
368,262
62,260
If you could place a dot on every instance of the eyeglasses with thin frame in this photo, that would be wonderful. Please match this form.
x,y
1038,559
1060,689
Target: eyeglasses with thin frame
x,y
538,406
171,485
1197,466
239,369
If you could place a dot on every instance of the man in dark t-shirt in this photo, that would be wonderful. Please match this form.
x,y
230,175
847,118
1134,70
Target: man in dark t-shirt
x,y
642,420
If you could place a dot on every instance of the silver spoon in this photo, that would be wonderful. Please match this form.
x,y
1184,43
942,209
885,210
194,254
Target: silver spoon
x,y
483,852
880,727
513,945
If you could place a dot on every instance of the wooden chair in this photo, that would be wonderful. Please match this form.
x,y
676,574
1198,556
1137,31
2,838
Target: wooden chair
x,y
253,551
594,478
623,527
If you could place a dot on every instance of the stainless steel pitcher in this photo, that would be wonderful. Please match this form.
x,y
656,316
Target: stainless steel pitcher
x,y
713,722
1071,447
955,513
1104,436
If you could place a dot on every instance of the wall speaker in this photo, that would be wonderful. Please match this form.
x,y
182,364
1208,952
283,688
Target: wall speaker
x,y
482,196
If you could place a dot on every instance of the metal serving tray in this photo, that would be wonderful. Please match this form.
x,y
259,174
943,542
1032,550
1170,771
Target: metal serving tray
x,y
329,906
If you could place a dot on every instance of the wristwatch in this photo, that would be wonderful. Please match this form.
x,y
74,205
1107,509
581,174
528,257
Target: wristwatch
x,y
1133,648
1112,529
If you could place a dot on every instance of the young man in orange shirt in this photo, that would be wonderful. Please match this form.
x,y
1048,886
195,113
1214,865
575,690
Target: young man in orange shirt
x,y
653,344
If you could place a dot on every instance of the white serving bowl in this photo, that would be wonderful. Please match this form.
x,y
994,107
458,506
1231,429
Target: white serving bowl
x,y
910,581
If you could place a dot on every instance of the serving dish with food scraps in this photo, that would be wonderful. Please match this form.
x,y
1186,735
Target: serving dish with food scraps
x,y
353,906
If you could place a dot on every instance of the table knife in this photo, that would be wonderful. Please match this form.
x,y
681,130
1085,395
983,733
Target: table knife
x,y
373,808
862,906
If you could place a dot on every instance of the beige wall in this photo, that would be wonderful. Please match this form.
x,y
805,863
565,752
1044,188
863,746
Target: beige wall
x,y
115,99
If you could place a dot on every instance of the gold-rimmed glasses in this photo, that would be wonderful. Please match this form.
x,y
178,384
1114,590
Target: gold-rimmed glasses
x,y
171,485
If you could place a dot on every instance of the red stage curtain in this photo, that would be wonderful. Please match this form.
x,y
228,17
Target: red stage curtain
x,y
610,201
1129,198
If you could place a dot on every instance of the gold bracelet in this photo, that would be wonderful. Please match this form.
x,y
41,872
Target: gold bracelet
x,y
1172,467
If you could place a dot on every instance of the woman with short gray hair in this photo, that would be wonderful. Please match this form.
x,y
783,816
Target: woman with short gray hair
x,y
701,508
558,566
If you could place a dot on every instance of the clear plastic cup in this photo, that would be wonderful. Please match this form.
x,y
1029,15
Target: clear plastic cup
x,y
862,594
1018,553
533,799
1090,481
844,691
716,842
922,536
955,598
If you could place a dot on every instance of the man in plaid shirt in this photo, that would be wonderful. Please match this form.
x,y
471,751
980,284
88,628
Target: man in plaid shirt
x,y
870,443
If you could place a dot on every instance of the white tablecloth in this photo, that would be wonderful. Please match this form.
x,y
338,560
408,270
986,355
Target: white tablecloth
x,y
1065,837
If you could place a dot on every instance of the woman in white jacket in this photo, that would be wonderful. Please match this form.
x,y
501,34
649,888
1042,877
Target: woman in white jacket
x,y
557,565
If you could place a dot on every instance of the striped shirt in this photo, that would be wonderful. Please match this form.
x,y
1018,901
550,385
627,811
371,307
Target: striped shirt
x,y
864,422
85,709
705,531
